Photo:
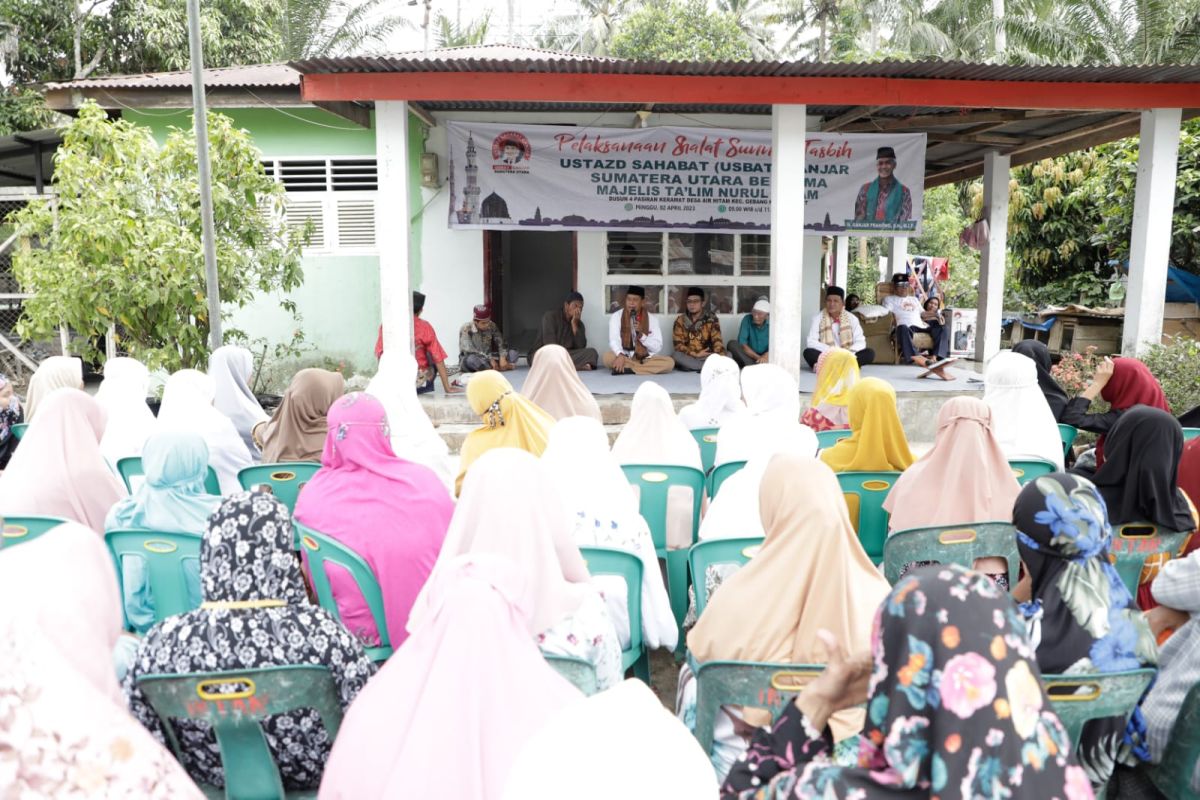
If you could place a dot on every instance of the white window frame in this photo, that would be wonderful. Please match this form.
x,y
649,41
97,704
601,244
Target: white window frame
x,y
330,198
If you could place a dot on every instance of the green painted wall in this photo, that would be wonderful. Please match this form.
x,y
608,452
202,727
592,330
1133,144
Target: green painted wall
x,y
277,132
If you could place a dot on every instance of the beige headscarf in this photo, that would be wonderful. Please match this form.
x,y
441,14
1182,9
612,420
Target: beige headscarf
x,y
811,573
56,372
64,726
296,432
554,385
58,470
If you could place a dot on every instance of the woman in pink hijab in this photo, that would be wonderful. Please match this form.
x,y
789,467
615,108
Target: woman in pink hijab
x,y
393,513
449,712
59,471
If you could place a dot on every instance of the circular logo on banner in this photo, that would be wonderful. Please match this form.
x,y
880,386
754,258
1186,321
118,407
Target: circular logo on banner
x,y
511,149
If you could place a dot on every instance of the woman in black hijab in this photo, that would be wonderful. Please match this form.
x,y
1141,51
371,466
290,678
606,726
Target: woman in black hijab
x,y
1056,397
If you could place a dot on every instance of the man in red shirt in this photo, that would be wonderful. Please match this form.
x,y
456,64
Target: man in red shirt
x,y
428,350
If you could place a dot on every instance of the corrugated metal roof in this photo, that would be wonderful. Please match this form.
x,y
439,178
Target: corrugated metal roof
x,y
259,75
522,59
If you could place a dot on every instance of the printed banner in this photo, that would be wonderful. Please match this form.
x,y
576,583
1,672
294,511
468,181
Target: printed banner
x,y
551,177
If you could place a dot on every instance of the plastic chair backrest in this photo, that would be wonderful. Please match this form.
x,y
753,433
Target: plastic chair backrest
x,y
130,468
951,544
285,479
717,551
235,703
1067,433
707,439
827,439
19,430
720,474
579,672
1079,698
1188,433
165,555
18,530
627,566
744,683
654,482
865,493
1173,774
321,550
1026,469
1132,542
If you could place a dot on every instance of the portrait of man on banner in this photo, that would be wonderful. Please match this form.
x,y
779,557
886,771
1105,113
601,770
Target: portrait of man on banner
x,y
884,199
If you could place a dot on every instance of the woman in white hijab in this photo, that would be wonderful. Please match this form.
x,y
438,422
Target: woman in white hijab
x,y
230,368
187,406
413,435
654,435
1022,421
122,394
772,403
56,372
720,395
603,510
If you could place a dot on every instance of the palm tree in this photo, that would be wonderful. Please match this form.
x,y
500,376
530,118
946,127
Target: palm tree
x,y
449,34
316,28
754,19
590,31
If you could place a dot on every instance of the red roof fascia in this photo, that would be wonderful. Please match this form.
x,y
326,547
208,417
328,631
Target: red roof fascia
x,y
609,88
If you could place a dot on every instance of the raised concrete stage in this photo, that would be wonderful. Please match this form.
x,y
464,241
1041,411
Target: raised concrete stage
x,y
918,400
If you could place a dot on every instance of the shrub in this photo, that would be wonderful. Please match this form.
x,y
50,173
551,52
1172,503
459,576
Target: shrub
x,y
1076,370
1177,367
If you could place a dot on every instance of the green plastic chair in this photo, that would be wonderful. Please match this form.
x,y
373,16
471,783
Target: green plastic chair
x,y
1188,433
720,474
165,555
1026,469
865,493
1079,698
951,544
18,530
827,439
707,439
19,430
130,467
654,482
579,672
628,567
1173,775
744,683
321,550
285,479
1067,433
235,704
1133,542
718,551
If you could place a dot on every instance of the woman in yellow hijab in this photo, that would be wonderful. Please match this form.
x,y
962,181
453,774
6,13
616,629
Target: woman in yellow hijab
x,y
877,442
837,373
509,420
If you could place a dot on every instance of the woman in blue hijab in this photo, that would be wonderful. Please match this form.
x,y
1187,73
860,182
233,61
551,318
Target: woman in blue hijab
x,y
172,500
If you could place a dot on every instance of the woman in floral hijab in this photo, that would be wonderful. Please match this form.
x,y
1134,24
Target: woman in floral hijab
x,y
954,709
1081,617
255,614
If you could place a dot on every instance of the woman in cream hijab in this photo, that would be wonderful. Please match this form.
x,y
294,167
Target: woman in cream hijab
x,y
811,573
413,435
554,385
187,407
772,402
297,430
720,395
876,442
1022,420
56,372
509,420
230,367
64,726
122,394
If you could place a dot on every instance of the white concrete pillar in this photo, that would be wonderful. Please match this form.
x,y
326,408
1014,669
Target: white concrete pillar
x,y
1150,242
992,259
787,236
392,223
897,254
841,263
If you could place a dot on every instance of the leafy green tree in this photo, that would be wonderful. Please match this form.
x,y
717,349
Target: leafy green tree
x,y
681,30
754,18
449,34
942,221
590,31
121,245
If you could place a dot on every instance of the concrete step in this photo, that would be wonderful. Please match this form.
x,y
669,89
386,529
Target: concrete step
x,y
454,434
455,410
